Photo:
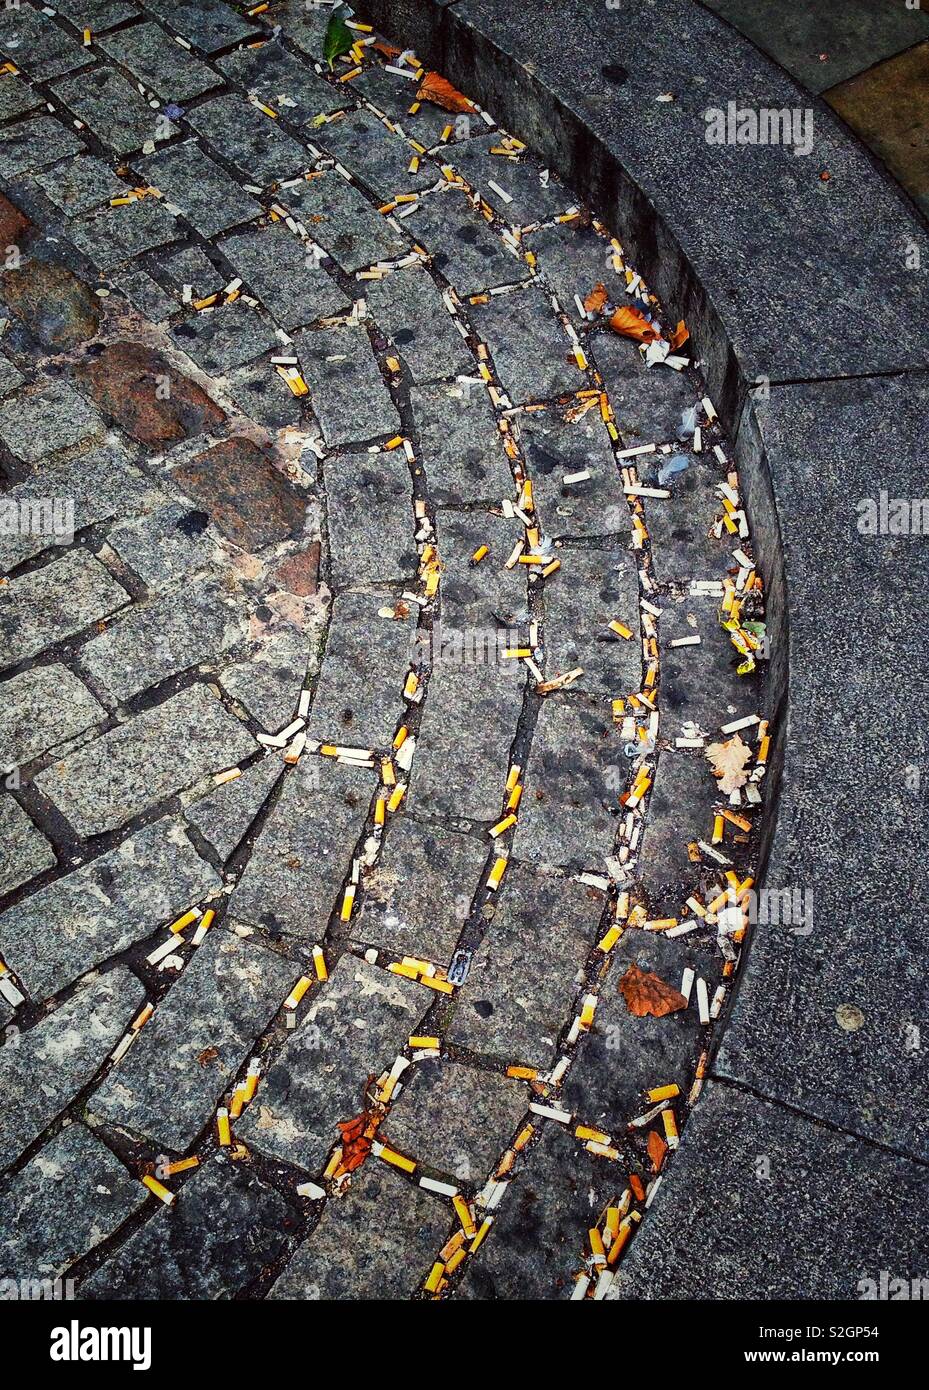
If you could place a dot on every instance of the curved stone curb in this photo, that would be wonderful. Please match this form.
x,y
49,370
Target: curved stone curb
x,y
809,308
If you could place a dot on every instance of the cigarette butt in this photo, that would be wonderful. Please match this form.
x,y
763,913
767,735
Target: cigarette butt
x,y
159,1190
495,876
717,829
501,826
347,902
396,796
184,921
87,38
420,1040
670,1128
406,1165
522,1073
251,1082
482,1232
181,1166
435,1274
664,1092
298,991
465,1216
609,940
319,963
222,1127
380,812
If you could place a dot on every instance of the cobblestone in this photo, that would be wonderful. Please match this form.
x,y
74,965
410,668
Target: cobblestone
x,y
46,606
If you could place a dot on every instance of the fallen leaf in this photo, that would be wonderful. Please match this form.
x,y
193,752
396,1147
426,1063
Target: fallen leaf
x,y
638,1187
647,994
729,761
597,300
657,1149
679,336
356,1142
338,38
441,93
387,49
631,323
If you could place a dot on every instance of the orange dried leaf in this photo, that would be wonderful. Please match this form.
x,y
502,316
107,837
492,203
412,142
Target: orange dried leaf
x,y
679,336
441,92
647,994
631,323
597,300
657,1149
729,761
638,1187
388,49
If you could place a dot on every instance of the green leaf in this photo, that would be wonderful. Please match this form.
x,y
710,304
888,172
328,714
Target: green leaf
x,y
339,37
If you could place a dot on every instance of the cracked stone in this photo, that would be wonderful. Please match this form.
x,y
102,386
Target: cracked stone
x,y
575,773
462,451
26,851
151,400
456,1118
224,816
152,756
246,496
103,907
56,1059
42,708
518,994
225,997
347,391
418,897
71,1195
304,851
50,604
371,520
356,1024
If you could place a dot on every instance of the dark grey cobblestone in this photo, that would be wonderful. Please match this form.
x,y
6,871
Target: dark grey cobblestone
x,y
462,451
26,852
165,69
409,309
200,188
347,393
371,531
457,1119
357,695
42,708
46,606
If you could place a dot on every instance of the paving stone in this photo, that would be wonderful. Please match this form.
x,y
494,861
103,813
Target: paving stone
x,y
224,338
298,572
151,643
294,876
484,606
573,259
113,109
100,483
529,198
648,402
113,236
34,144
371,519
455,1118
41,708
699,683
418,897
47,420
530,349
225,1229
374,155
573,779
411,1227
47,605
278,271
357,699
785,1242
263,396
224,816
343,222
269,683
623,1057
70,1196
203,191
208,24
303,26
250,140
592,589
408,308
16,98
460,445
555,449
682,548
56,1059
38,45
347,391
680,811
147,397
97,14
157,753
146,295
26,851
463,247
538,1240
224,999
160,65
523,978
56,307
10,376
248,499
356,1024
192,266
462,752
393,96
80,184
169,544
103,907
270,71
